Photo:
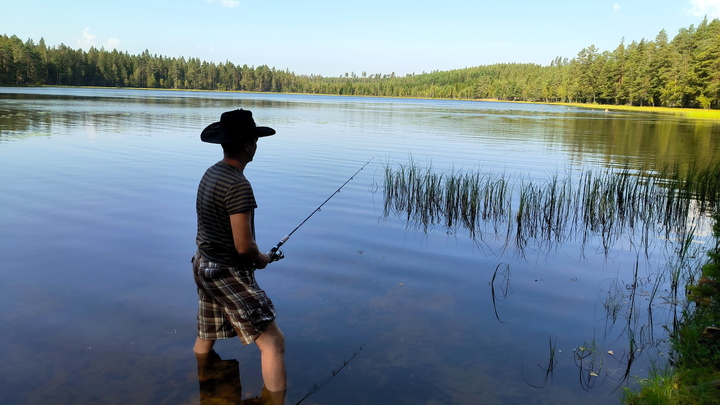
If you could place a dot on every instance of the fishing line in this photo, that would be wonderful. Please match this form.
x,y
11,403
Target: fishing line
x,y
275,253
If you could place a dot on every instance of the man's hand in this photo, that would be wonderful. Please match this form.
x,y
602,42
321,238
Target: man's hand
x,y
262,261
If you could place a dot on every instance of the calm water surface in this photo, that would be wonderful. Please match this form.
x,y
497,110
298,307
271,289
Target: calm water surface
x,y
97,228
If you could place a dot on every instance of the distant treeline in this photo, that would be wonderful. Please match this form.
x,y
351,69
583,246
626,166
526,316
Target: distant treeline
x,y
682,72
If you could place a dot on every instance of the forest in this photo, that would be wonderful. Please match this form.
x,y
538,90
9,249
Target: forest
x,y
682,72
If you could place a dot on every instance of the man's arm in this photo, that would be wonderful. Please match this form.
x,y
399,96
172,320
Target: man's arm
x,y
244,242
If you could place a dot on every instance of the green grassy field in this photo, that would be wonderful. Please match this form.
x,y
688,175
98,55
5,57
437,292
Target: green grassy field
x,y
683,112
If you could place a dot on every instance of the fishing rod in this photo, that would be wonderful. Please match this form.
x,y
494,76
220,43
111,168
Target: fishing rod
x,y
275,253
316,387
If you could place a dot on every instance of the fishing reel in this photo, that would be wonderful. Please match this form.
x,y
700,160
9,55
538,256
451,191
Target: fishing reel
x,y
275,255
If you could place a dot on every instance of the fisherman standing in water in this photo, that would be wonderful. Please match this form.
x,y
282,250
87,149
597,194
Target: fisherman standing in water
x,y
230,301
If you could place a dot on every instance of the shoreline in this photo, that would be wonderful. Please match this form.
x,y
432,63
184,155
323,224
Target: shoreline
x,y
682,112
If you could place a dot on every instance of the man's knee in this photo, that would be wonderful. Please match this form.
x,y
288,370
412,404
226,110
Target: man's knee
x,y
203,346
272,338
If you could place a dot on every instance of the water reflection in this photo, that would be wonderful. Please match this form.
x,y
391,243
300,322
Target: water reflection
x,y
648,213
220,383
586,136
639,315
443,323
648,139
635,206
589,361
219,380
500,288
43,112
318,386
547,369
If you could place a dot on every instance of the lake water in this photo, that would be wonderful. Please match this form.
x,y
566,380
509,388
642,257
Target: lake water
x,y
97,227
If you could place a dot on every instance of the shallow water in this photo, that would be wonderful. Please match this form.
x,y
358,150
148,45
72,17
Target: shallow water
x,y
97,227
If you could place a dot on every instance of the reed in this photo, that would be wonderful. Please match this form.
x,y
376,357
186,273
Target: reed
x,y
589,361
549,368
665,203
606,204
503,287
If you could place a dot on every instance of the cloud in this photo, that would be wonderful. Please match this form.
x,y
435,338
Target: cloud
x,y
701,8
226,3
112,43
616,8
206,48
87,39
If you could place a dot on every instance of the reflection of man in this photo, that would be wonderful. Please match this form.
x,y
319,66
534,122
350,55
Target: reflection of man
x,y
230,301
220,382
219,379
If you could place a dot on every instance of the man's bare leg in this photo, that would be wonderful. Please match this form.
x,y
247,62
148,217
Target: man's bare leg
x,y
203,346
202,350
272,356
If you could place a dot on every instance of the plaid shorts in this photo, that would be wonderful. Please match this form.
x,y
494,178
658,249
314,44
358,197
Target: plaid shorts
x,y
230,302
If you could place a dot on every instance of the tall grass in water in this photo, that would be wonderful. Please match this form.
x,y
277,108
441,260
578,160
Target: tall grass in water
x,y
602,206
607,204
695,375
450,199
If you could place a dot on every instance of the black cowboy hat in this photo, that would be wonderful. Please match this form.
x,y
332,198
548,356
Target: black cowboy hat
x,y
234,126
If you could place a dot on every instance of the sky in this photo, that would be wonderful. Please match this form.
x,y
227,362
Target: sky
x,y
331,38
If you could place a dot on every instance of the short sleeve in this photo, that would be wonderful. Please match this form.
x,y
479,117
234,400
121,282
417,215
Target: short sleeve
x,y
240,197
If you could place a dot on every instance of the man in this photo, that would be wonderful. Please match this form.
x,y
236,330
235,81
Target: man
x,y
230,301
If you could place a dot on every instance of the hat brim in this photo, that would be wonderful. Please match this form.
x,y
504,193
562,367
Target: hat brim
x,y
214,134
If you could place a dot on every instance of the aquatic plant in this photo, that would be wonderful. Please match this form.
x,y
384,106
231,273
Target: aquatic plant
x,y
589,361
706,292
607,204
549,368
637,207
693,375
503,286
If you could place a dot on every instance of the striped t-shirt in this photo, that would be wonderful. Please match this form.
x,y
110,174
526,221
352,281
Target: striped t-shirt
x,y
223,191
